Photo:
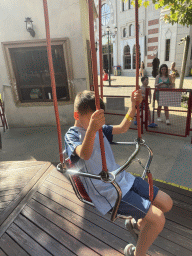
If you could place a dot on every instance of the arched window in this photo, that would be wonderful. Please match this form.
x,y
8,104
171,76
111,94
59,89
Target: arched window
x,y
124,32
134,57
123,6
131,30
127,57
130,5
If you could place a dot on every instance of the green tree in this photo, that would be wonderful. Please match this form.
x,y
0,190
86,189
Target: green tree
x,y
180,10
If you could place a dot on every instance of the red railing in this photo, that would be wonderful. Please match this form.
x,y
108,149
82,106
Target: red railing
x,y
179,116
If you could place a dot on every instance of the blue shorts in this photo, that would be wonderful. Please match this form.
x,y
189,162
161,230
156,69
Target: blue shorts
x,y
136,202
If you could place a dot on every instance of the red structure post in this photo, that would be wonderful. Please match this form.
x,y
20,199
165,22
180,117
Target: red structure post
x,y
52,76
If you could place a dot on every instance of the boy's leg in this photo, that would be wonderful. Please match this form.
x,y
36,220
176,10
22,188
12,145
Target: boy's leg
x,y
150,227
163,201
153,223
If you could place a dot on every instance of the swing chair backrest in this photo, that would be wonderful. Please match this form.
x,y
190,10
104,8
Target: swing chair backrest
x,y
76,182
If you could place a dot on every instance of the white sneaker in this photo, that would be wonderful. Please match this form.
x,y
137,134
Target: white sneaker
x,y
159,119
168,122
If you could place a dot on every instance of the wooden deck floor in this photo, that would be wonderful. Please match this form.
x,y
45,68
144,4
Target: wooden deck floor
x,y
42,216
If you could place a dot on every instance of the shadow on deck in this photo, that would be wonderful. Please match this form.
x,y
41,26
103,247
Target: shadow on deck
x,y
40,215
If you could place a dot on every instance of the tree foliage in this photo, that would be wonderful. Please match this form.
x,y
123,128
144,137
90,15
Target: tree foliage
x,y
180,10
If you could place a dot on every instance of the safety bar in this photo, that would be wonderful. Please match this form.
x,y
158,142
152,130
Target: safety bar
x,y
74,171
128,162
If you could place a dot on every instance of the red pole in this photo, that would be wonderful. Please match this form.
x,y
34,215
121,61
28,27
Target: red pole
x,y
137,64
52,76
100,51
95,79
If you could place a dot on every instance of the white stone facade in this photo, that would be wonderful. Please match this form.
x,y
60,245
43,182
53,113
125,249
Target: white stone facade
x,y
153,34
68,22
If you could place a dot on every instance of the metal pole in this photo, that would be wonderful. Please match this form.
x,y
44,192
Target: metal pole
x,y
100,52
186,48
109,62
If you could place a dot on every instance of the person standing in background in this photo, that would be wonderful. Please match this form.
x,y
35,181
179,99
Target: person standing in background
x,y
142,69
173,73
162,81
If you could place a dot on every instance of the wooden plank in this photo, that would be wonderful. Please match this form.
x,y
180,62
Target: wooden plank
x,y
185,211
122,232
10,247
2,253
180,216
177,239
12,191
173,188
11,212
96,217
160,237
66,186
181,201
179,229
7,198
16,180
5,165
4,204
174,215
62,230
42,238
26,242
81,222
18,170
154,250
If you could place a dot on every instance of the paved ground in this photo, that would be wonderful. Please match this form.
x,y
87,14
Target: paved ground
x,y
172,160
123,80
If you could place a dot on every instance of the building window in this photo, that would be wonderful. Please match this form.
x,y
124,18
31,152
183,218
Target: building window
x,y
124,32
167,49
105,14
191,53
131,30
127,57
32,73
123,5
29,70
130,5
134,56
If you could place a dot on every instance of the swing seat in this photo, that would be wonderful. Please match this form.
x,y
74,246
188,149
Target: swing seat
x,y
79,189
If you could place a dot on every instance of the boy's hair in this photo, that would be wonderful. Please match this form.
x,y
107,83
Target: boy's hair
x,y
143,78
85,102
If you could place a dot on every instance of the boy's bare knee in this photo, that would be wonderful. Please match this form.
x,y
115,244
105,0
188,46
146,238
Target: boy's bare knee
x,y
163,201
169,203
156,217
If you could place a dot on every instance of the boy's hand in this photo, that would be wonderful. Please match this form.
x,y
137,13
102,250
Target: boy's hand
x,y
97,120
136,97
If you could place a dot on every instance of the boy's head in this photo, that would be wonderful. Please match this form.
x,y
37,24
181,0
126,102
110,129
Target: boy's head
x,y
85,103
144,80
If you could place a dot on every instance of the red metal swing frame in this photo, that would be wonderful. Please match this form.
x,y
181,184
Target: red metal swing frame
x,y
65,163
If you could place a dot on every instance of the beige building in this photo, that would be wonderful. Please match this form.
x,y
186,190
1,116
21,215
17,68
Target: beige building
x,y
156,37
24,74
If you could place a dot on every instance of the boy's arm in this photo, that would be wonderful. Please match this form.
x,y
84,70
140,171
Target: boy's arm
x,y
84,151
125,124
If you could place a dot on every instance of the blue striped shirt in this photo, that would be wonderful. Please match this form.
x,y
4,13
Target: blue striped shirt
x,y
102,194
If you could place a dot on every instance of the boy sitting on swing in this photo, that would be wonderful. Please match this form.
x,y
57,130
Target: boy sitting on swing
x,y
83,147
